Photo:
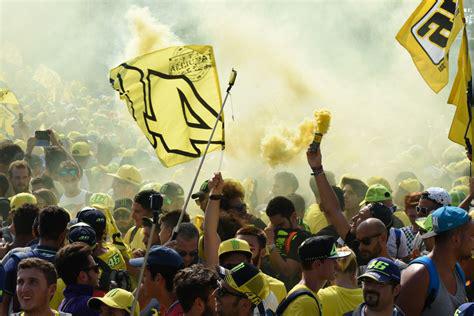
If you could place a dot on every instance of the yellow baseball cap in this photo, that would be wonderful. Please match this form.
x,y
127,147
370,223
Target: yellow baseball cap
x,y
116,298
22,198
128,173
234,245
81,149
410,185
102,201
247,279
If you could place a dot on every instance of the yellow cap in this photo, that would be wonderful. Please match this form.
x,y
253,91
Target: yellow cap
x,y
379,180
102,201
22,198
247,279
128,173
234,245
116,298
81,149
410,185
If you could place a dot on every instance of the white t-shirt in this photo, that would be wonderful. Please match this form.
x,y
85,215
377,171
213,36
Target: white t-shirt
x,y
402,250
74,204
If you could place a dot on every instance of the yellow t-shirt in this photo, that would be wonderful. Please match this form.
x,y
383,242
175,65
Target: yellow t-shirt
x,y
337,300
277,287
137,241
315,219
403,217
303,305
58,295
113,257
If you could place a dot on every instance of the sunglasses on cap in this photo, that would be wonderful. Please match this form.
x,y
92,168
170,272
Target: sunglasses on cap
x,y
68,172
222,291
367,240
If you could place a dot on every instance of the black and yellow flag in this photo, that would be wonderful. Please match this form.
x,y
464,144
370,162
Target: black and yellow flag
x,y
428,34
8,111
461,97
173,94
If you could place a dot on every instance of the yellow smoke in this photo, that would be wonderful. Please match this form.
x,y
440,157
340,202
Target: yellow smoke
x,y
283,145
148,35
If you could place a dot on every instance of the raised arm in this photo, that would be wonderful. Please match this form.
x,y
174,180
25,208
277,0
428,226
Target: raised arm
x,y
329,202
211,221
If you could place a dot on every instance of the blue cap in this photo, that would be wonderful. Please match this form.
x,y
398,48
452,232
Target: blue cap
x,y
82,232
466,309
382,270
160,256
93,217
447,218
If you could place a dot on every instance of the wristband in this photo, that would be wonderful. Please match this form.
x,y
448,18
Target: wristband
x,y
215,197
317,171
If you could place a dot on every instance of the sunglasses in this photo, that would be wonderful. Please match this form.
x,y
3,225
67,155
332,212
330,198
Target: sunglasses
x,y
423,211
95,268
368,240
222,291
68,172
193,253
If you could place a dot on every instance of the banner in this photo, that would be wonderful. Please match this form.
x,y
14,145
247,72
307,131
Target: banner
x,y
173,95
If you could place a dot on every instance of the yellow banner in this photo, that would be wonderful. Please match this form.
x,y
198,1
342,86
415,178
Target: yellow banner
x,y
461,96
428,34
173,94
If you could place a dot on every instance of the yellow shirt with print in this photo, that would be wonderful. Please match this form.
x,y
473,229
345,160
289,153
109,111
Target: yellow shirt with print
x,y
336,300
315,219
137,241
113,257
277,287
303,305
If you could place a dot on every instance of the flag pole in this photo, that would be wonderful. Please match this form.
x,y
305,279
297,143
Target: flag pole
x,y
233,76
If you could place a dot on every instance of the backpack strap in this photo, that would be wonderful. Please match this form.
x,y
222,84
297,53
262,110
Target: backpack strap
x,y
132,234
433,286
460,272
290,298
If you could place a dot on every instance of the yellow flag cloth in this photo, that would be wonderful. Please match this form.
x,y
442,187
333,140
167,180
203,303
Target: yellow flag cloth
x,y
461,96
428,34
173,94
7,97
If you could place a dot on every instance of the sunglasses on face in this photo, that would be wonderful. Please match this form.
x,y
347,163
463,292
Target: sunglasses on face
x,y
193,253
367,240
68,172
95,268
423,211
222,291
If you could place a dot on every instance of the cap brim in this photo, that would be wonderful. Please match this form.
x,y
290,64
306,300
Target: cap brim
x,y
137,262
197,195
95,302
428,235
340,254
120,178
380,278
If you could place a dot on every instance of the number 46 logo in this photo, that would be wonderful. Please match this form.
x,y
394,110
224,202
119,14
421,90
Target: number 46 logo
x,y
378,265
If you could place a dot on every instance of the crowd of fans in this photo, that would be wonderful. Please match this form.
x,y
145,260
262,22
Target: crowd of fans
x,y
76,223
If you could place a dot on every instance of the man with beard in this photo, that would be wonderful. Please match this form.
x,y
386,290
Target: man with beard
x,y
194,288
380,286
19,175
372,237
453,231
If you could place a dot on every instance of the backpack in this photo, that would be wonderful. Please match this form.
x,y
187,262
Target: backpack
x,y
433,286
111,278
290,298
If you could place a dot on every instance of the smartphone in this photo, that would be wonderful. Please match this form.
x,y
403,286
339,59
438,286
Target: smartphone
x,y
42,138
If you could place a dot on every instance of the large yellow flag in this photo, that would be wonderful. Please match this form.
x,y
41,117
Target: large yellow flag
x,y
461,97
7,97
428,34
8,109
173,94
